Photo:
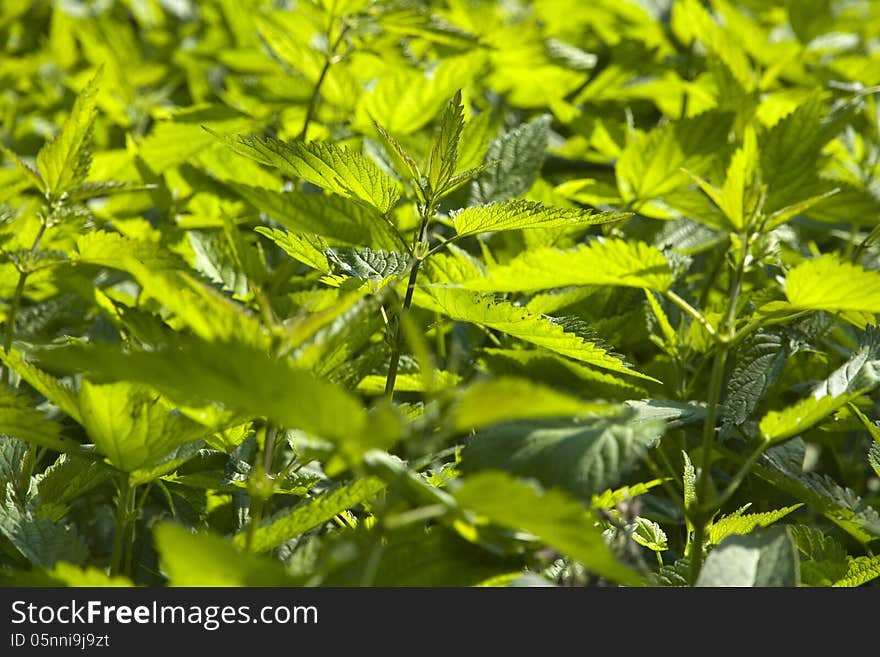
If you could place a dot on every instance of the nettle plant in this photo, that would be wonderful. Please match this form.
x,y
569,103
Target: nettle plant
x,y
374,348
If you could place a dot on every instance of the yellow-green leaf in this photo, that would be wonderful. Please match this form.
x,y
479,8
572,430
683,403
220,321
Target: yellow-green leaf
x,y
520,214
602,262
516,321
554,517
829,283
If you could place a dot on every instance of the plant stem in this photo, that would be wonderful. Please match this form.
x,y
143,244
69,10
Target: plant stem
x,y
741,474
706,507
262,490
704,482
30,458
417,247
328,62
693,312
121,551
16,301
10,321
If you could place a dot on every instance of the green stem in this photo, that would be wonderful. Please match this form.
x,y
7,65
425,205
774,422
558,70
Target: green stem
x,y
439,335
397,343
704,482
442,244
706,507
121,551
328,62
771,319
693,312
10,321
16,299
256,515
30,459
261,492
689,60
713,270
740,475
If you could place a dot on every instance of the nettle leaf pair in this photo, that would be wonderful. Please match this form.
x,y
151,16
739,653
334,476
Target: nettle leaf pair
x,y
441,176
63,162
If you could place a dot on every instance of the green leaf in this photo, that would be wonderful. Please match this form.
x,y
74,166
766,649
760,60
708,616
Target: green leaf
x,y
242,248
105,188
70,477
374,384
519,214
12,454
777,426
653,164
214,259
308,249
782,467
608,499
809,18
739,196
406,482
673,575
41,541
505,399
584,457
860,374
404,162
67,575
292,49
168,463
474,142
368,265
419,556
113,250
341,340
555,518
759,364
674,414
689,482
194,372
202,309
782,215
207,560
63,396
874,430
601,262
740,523
64,161
291,523
404,100
133,425
764,558
182,137
817,545
325,164
791,153
829,283
516,321
444,153
670,336
860,570
520,155
34,176
20,419
720,42
336,218
649,534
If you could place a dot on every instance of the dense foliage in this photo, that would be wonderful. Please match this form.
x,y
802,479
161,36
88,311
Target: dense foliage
x,y
462,292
